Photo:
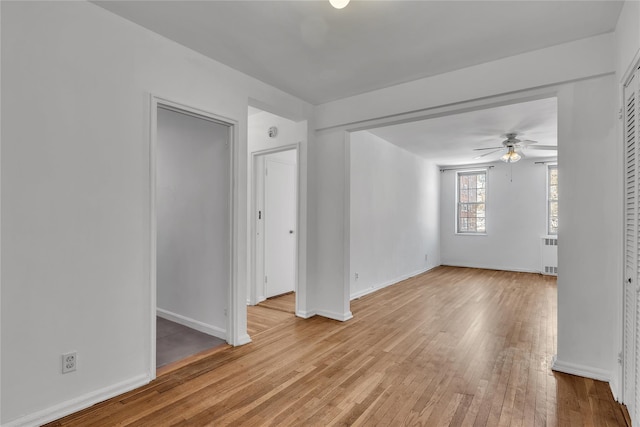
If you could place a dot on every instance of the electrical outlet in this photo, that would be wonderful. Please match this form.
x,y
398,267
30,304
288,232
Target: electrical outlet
x,y
426,257
69,362
357,276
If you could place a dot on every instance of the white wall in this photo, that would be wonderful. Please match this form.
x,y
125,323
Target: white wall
x,y
193,204
76,86
589,228
516,219
394,214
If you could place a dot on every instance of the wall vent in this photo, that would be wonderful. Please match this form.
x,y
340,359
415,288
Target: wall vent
x,y
549,255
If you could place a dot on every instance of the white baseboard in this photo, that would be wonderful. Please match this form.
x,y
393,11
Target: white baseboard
x,y
74,405
305,314
379,286
192,323
580,370
342,317
615,388
243,339
489,267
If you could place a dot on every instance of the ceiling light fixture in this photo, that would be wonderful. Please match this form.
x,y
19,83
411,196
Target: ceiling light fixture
x,y
339,4
511,156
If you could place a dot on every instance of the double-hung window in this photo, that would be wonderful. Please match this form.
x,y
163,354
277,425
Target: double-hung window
x,y
552,199
471,211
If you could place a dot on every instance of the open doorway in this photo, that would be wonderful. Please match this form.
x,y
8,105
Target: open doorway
x,y
275,199
446,190
192,232
276,169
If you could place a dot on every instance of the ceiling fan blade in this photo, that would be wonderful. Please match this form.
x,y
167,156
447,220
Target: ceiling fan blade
x,y
528,142
543,147
487,154
488,148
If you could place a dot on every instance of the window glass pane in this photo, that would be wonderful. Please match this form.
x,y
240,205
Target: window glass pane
x,y
464,182
473,195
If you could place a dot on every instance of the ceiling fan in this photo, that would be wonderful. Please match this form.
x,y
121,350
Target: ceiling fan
x,y
512,143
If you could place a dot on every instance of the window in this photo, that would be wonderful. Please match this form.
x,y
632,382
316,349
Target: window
x,y
471,202
552,199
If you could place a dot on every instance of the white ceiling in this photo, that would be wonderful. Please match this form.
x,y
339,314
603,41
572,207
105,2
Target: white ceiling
x,y
319,54
450,140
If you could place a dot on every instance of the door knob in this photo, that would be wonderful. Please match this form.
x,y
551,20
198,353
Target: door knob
x,y
290,231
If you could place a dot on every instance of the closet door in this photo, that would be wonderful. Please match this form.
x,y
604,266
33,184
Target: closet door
x,y
631,342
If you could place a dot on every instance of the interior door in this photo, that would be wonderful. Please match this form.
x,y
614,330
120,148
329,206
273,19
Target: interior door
x,y
631,327
280,226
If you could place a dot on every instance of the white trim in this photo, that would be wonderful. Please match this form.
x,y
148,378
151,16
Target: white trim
x,y
342,317
71,406
488,267
233,336
580,370
306,314
383,285
346,236
192,323
615,388
243,339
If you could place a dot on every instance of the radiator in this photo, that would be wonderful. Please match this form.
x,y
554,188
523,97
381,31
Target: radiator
x,y
549,255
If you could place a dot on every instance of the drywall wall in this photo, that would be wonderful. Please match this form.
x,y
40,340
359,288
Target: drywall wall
x,y
580,59
193,225
76,196
516,219
590,240
394,214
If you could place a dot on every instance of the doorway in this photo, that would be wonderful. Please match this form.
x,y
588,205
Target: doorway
x,y
276,228
191,167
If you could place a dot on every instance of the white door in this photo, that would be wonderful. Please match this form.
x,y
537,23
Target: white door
x,y
280,226
631,343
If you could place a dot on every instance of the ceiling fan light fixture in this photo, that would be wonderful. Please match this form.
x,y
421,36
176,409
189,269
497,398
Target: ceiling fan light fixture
x,y
511,156
339,4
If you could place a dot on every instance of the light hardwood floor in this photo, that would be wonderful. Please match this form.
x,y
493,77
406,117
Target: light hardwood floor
x,y
452,347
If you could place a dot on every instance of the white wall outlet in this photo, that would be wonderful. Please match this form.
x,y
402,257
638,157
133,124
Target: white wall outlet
x,y
357,276
69,362
426,257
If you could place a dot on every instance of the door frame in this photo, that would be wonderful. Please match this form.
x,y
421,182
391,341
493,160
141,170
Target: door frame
x,y
254,277
233,335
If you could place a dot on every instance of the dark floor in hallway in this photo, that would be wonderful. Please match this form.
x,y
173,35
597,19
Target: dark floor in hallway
x,y
175,341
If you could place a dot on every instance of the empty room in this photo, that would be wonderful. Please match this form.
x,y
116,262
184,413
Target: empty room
x,y
402,212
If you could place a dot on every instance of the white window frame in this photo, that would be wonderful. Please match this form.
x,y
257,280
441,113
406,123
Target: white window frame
x,y
548,181
457,200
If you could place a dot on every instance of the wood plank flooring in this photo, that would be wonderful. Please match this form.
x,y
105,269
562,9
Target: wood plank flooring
x,y
452,347
285,302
